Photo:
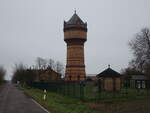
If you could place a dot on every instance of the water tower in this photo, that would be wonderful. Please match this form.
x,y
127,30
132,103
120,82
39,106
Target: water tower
x,y
75,35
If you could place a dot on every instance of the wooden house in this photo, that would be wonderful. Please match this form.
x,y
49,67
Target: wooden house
x,y
47,75
139,81
110,80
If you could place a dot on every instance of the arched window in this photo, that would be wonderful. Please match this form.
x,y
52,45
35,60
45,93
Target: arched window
x,y
78,77
69,77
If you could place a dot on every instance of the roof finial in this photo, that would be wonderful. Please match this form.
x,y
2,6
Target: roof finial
x,y
75,11
108,65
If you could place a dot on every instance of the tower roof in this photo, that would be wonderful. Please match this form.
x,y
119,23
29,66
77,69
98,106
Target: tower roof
x,y
109,73
75,19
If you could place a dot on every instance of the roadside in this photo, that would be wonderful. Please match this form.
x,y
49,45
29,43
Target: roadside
x,y
13,100
58,103
2,85
61,104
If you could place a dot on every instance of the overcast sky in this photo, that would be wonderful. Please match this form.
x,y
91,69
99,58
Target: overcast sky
x,y
34,28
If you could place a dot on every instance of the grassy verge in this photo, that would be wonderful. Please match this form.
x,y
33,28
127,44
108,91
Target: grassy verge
x,y
58,103
132,102
1,83
134,106
124,94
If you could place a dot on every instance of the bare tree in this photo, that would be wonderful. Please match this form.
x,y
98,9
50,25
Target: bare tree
x,y
51,63
23,74
140,46
2,73
44,64
59,67
130,71
18,72
41,63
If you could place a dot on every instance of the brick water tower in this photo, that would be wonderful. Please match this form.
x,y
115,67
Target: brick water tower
x,y
75,35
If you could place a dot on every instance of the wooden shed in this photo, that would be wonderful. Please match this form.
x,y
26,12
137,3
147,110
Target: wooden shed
x,y
110,80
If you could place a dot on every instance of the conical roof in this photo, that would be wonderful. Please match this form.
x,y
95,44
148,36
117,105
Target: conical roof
x,y
109,73
75,19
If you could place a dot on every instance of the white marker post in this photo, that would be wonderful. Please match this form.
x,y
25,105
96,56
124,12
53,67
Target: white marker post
x,y
44,96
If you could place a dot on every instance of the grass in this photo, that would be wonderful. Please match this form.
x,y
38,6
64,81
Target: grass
x,y
1,83
90,91
126,106
59,104
130,101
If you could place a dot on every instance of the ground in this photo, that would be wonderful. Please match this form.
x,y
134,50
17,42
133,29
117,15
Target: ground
x,y
57,103
132,106
13,100
61,104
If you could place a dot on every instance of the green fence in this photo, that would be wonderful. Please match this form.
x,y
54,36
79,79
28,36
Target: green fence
x,y
90,91
71,89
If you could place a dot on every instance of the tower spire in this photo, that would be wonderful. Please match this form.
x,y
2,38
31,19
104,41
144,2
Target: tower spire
x,y
75,19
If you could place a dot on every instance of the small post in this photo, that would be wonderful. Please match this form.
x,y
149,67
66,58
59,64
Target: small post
x,y
99,88
81,90
44,96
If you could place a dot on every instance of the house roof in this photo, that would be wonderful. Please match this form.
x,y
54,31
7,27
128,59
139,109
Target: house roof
x,y
138,77
109,73
51,70
75,19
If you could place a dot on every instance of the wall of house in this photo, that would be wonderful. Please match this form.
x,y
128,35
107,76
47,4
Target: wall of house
x,y
118,84
108,84
49,76
111,84
132,84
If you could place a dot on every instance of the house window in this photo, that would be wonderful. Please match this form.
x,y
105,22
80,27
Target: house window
x,y
143,84
78,77
69,77
138,84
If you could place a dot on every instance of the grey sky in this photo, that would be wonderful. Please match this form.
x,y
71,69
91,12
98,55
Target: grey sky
x,y
34,28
